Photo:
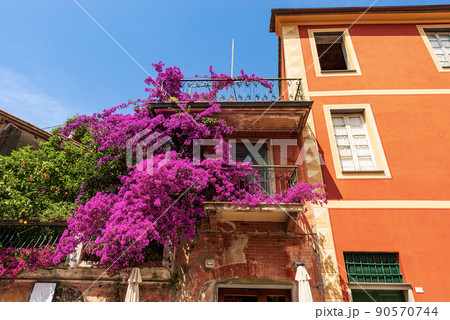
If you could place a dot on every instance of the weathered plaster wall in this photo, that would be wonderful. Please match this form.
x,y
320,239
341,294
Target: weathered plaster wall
x,y
77,281
243,250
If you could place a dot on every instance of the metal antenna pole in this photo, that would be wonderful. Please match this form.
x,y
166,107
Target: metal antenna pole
x,y
232,56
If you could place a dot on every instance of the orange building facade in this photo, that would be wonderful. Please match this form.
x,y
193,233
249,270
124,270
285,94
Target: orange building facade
x,y
378,138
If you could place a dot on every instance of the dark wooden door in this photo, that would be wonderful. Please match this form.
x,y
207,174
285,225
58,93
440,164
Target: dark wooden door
x,y
254,295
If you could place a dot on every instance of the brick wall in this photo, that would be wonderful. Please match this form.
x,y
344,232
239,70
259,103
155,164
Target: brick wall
x,y
243,250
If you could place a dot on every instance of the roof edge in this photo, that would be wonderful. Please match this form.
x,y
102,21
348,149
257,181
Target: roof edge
x,y
343,10
25,124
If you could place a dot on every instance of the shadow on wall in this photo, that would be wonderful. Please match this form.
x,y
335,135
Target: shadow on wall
x,y
330,267
331,187
344,289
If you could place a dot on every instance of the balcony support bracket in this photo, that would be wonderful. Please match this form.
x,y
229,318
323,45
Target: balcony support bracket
x,y
291,220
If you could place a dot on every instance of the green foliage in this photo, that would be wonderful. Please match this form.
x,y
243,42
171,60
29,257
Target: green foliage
x,y
45,183
174,282
78,134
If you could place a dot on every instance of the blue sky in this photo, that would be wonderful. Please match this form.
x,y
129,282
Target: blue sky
x,y
55,61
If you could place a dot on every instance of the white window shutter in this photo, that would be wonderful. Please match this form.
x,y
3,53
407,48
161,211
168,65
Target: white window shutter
x,y
352,140
441,45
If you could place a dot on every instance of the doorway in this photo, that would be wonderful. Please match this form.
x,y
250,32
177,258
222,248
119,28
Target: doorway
x,y
254,295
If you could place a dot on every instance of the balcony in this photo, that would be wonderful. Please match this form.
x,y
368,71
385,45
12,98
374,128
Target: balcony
x,y
248,105
240,90
273,179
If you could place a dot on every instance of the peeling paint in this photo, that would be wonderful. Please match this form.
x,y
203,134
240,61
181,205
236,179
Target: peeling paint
x,y
235,252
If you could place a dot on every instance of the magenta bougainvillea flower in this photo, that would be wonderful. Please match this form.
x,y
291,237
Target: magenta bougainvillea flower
x,y
166,205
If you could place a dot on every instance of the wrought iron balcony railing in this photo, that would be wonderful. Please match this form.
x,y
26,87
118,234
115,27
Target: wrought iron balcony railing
x,y
274,179
239,90
19,237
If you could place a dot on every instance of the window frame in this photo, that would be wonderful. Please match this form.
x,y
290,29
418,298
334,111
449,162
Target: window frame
x,y
423,30
353,68
382,169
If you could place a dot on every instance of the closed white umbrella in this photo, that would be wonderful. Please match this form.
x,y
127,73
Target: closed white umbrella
x,y
304,290
133,286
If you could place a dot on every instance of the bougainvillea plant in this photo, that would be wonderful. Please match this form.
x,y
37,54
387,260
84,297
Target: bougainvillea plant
x,y
119,222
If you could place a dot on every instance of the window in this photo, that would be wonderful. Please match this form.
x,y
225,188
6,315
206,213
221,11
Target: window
x,y
376,277
244,152
437,41
331,51
355,151
373,267
355,144
440,42
378,295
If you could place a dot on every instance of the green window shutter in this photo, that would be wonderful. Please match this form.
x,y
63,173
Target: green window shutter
x,y
243,154
382,267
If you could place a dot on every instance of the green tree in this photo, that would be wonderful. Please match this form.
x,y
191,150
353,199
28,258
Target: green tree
x,y
78,134
46,182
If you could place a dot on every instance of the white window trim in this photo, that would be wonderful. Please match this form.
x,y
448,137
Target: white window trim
x,y
350,54
405,287
381,164
423,34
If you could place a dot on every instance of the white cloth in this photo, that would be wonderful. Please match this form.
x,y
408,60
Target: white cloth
x,y
304,290
133,286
